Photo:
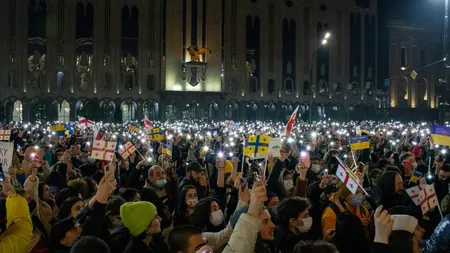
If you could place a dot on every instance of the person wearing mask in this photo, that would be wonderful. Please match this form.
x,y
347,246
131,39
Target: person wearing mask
x,y
286,184
294,223
187,202
19,228
166,191
389,190
343,201
194,172
208,216
143,222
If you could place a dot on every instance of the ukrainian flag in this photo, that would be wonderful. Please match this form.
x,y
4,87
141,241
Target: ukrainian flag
x,y
359,142
155,134
184,131
416,176
257,146
58,130
364,130
440,135
167,149
134,128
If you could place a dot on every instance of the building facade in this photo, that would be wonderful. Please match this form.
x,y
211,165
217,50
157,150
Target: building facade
x,y
415,64
116,60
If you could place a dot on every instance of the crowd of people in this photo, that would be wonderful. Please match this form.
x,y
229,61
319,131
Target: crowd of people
x,y
205,195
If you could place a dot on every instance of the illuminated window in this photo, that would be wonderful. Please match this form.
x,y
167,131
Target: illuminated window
x,y
403,58
64,112
17,111
128,112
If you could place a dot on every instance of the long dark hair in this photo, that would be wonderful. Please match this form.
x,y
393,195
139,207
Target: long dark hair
x,y
180,212
386,190
202,214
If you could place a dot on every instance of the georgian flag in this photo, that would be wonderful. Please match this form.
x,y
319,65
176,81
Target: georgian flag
x,y
147,123
229,123
291,122
345,177
423,195
85,123
126,150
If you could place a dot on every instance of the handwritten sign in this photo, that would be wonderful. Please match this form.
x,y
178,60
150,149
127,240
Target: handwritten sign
x,y
6,155
275,147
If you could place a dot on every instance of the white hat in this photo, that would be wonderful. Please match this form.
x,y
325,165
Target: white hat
x,y
404,222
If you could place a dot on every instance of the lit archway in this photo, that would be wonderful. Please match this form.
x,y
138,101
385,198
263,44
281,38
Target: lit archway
x,y
128,111
64,112
17,111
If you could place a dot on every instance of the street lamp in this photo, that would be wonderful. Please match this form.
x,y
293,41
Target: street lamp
x,y
324,42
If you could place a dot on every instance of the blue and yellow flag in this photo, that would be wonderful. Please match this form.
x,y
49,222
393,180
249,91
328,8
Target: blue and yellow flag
x,y
416,176
257,146
167,149
134,128
359,142
58,130
440,135
184,131
155,134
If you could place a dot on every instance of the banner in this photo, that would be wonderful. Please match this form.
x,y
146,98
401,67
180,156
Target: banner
x,y
6,155
275,147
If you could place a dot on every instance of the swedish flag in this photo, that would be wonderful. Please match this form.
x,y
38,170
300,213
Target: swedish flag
x,y
155,134
167,149
257,146
359,142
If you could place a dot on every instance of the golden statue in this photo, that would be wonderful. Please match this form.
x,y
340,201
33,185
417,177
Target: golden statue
x,y
195,53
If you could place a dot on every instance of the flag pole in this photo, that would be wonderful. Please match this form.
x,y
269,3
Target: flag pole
x,y
440,211
243,156
352,175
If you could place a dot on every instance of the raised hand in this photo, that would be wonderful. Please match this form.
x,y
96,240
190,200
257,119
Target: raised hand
x,y
383,225
258,197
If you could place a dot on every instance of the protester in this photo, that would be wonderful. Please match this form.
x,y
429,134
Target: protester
x,y
199,187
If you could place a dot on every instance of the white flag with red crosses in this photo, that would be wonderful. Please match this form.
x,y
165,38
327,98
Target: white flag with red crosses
x,y
5,135
103,150
423,195
346,178
126,150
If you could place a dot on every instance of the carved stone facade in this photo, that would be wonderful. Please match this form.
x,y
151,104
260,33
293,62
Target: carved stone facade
x,y
216,59
414,48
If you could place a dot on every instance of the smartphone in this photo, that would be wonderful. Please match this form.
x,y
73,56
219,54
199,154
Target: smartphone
x,y
243,183
2,176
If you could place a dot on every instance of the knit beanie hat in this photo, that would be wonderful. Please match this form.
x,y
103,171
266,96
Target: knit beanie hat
x,y
137,216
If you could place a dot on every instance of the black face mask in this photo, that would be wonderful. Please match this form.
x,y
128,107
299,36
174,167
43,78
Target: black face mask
x,y
32,205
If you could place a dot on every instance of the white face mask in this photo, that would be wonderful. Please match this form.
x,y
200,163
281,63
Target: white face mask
x,y
288,185
192,202
217,218
307,224
315,168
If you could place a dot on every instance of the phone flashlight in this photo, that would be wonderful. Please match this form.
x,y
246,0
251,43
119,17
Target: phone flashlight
x,y
220,154
303,154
